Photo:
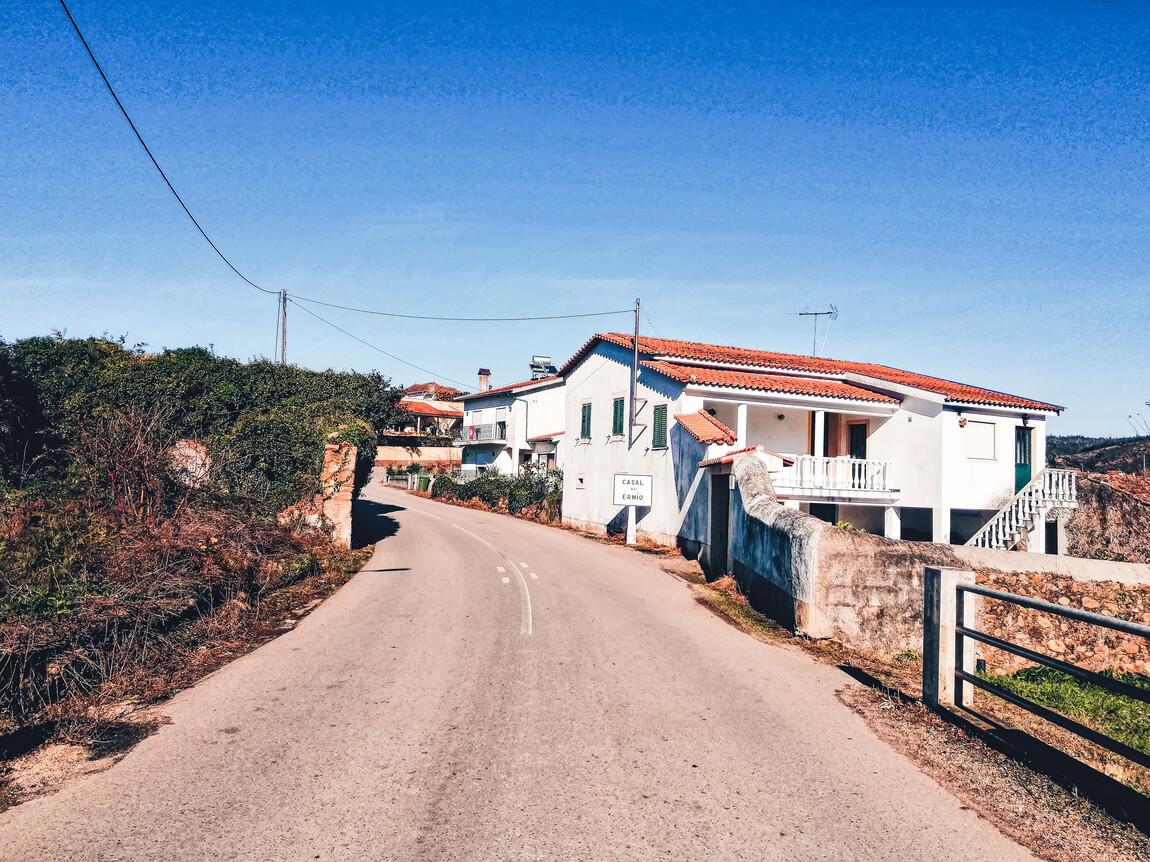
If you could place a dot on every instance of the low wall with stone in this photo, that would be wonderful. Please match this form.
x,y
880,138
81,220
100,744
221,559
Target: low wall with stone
x,y
866,591
331,508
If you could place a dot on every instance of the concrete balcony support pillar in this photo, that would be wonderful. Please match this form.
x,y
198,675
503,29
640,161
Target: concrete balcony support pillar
x,y
741,428
820,433
892,522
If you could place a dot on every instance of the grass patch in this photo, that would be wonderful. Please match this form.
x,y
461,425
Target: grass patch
x,y
723,597
1122,718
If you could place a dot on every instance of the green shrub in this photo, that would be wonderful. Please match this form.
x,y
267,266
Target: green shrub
x,y
445,487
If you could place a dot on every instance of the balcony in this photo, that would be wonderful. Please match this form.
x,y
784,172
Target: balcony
x,y
844,479
492,432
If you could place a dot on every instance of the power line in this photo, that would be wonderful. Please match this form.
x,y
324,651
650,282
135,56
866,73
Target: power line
x,y
459,319
293,301
139,138
653,327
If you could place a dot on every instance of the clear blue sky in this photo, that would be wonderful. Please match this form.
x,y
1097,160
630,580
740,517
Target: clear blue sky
x,y
968,184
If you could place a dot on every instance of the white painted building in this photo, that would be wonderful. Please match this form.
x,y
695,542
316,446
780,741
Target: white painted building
x,y
892,452
512,426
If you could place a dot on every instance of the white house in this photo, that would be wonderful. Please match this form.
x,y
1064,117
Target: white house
x,y
511,426
895,453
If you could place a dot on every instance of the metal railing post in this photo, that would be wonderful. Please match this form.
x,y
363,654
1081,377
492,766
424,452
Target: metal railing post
x,y
940,648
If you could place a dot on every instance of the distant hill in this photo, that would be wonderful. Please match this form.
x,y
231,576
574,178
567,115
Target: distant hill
x,y
1099,454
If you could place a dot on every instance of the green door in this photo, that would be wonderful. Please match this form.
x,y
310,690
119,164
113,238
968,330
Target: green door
x,y
1023,438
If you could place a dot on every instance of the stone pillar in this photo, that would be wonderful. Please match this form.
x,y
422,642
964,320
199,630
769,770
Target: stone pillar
x,y
892,522
741,428
820,433
942,525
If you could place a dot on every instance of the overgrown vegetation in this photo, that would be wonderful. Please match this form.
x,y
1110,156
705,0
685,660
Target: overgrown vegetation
x,y
123,574
1119,717
540,491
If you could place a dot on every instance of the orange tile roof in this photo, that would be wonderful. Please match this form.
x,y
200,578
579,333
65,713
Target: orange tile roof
x,y
705,428
722,355
522,384
543,438
1136,486
432,408
730,456
766,382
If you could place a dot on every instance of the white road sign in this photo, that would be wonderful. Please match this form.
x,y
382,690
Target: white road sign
x,y
631,490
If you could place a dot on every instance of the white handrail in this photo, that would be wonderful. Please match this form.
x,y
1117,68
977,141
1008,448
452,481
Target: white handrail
x,y
1049,489
812,472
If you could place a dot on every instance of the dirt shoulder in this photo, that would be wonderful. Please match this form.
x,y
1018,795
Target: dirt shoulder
x,y
1027,806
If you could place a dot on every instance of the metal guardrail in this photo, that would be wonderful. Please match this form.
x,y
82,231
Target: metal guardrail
x,y
949,619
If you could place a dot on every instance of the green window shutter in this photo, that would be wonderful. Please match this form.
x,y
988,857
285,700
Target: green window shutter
x,y
659,431
617,418
585,424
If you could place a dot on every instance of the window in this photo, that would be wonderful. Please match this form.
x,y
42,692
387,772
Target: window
x,y
585,422
979,440
659,429
617,418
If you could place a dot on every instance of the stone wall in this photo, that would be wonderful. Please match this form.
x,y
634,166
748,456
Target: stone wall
x,y
1078,643
866,591
331,508
1112,521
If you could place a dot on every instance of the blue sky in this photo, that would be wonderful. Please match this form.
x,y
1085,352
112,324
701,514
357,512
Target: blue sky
x,y
967,183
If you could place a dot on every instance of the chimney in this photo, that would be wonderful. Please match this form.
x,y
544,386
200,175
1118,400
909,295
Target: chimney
x,y
484,379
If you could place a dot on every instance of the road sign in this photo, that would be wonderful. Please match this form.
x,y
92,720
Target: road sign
x,y
632,490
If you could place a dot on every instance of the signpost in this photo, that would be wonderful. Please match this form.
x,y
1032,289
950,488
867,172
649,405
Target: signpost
x,y
631,490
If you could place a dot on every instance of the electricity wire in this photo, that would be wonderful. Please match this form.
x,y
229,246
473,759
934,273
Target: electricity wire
x,y
653,327
140,138
458,319
292,300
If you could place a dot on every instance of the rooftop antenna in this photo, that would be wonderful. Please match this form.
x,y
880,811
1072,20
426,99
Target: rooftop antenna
x,y
833,314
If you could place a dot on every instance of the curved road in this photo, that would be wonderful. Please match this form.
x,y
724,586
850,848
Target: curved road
x,y
491,689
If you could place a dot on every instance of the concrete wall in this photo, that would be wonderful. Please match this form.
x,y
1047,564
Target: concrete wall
x,y
862,590
442,457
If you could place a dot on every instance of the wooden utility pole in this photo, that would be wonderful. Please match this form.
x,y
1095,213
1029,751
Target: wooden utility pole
x,y
283,327
634,410
634,379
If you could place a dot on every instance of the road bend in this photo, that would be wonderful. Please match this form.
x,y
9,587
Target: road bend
x,y
492,689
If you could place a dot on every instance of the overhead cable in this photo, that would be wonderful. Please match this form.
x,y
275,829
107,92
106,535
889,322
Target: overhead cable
x,y
292,300
299,298
139,138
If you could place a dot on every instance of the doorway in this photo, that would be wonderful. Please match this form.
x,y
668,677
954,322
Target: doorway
x,y
1023,457
720,524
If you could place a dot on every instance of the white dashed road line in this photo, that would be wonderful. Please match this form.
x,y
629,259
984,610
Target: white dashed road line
x,y
535,576
500,568
507,580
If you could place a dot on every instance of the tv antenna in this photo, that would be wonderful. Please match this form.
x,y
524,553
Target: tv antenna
x,y
833,314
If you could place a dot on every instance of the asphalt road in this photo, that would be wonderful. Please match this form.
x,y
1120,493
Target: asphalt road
x,y
491,689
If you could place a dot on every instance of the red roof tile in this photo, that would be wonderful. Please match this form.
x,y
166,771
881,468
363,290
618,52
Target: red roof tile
x,y
1136,486
766,382
705,428
523,384
543,438
722,355
730,456
432,408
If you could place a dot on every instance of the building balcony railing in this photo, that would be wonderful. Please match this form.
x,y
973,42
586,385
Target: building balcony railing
x,y
492,432
814,476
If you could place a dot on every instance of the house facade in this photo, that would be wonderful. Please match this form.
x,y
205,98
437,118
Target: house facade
x,y
432,409
895,453
516,426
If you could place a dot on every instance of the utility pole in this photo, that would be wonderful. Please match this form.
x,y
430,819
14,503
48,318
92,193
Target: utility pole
x,y
634,410
283,327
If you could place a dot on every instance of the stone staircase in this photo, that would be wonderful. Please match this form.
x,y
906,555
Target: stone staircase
x,y
1050,489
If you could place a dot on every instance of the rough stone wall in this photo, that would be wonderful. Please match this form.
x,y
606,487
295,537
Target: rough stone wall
x,y
1078,643
1112,521
331,508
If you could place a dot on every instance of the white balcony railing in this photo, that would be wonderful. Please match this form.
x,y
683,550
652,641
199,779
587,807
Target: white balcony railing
x,y
834,476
